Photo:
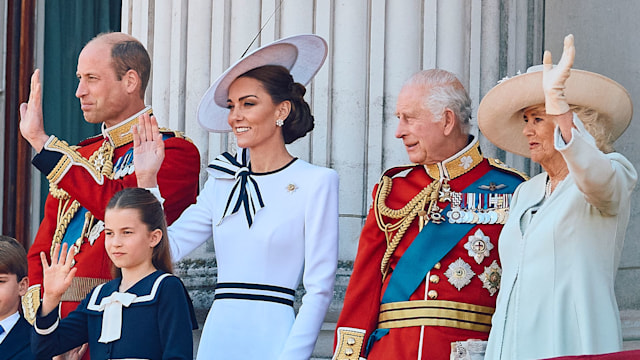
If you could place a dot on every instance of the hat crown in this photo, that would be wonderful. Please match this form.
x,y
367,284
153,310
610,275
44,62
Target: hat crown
x,y
303,55
500,111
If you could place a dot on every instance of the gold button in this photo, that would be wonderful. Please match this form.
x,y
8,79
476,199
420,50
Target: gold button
x,y
348,352
432,294
437,266
434,279
351,341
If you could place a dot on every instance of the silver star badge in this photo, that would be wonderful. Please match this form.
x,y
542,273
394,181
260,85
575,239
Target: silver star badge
x,y
459,274
479,246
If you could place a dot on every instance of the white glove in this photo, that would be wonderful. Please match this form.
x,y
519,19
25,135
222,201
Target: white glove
x,y
554,78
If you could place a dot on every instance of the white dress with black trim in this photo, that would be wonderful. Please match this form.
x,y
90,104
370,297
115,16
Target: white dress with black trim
x,y
151,320
293,236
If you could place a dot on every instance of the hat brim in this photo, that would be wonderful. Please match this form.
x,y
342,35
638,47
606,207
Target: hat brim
x,y
303,55
500,114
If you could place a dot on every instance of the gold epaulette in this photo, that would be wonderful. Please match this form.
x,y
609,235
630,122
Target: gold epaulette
x,y
349,343
175,133
98,165
496,163
31,303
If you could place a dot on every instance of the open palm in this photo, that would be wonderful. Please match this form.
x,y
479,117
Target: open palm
x,y
148,150
59,274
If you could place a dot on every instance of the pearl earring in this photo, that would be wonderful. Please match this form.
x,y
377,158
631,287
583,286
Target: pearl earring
x,y
279,122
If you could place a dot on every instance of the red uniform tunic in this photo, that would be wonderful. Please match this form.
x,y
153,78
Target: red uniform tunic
x,y
90,174
451,303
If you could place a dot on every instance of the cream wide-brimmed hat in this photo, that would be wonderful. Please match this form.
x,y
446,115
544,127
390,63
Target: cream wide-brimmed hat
x,y
500,114
302,55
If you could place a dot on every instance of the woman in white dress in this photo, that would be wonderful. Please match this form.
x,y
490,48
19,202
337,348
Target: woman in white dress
x,y
561,245
273,217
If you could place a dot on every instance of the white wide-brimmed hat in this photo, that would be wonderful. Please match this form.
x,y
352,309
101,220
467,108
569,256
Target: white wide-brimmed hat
x,y
500,114
302,55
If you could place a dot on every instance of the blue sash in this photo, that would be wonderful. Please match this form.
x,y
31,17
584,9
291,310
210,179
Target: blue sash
x,y
430,246
435,241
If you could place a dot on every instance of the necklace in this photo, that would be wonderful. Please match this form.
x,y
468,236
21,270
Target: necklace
x,y
547,189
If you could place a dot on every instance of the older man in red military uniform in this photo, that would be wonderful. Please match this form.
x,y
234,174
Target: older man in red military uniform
x,y
426,273
113,72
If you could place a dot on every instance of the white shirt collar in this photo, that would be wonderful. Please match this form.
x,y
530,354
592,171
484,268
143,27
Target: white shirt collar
x,y
7,324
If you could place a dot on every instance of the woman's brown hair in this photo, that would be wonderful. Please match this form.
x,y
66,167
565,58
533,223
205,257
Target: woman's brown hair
x,y
278,82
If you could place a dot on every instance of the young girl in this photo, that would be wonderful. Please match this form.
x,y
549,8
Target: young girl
x,y
145,313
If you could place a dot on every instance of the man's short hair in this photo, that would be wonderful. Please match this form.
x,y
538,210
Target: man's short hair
x,y
444,91
127,53
13,258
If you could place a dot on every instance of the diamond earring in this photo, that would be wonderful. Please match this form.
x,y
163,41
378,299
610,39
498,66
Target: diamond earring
x,y
279,122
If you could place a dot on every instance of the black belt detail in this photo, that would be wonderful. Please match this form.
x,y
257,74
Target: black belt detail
x,y
253,297
234,285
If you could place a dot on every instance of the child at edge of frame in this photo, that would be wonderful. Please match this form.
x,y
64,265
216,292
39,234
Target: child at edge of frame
x,y
15,330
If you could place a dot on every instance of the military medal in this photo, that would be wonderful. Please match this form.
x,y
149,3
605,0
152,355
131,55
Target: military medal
x,y
491,277
459,274
493,217
454,215
479,246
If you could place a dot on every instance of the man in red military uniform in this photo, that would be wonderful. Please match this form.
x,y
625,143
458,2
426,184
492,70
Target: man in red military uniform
x,y
113,72
426,273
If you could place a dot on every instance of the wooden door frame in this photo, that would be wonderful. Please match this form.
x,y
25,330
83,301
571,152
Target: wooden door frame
x,y
20,40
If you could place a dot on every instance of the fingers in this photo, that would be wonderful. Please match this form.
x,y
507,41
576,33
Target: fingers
x,y
70,255
56,252
34,94
568,41
154,128
70,275
547,62
60,256
136,136
82,349
23,110
143,124
35,79
148,129
43,259
568,52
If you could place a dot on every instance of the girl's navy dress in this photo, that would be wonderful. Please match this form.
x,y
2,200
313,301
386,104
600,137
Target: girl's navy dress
x,y
153,319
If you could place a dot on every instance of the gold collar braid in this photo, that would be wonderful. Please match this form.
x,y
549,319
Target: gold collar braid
x,y
457,165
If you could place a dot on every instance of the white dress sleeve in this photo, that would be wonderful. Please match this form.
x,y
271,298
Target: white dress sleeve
x,y
194,226
604,179
321,259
